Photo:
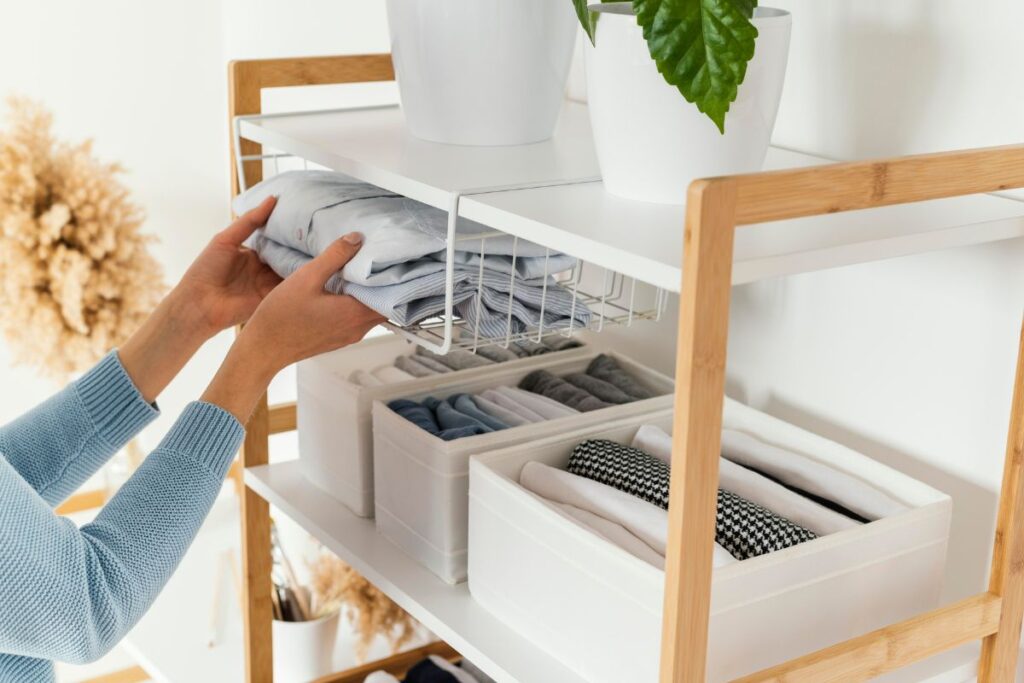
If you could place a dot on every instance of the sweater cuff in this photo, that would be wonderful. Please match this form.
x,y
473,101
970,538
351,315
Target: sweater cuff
x,y
113,403
208,434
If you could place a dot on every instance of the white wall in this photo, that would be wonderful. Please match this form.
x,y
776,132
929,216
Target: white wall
x,y
910,360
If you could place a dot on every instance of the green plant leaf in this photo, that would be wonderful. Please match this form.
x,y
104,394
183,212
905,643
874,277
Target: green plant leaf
x,y
702,47
587,20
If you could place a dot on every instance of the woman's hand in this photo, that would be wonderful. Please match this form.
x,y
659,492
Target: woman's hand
x,y
227,282
297,320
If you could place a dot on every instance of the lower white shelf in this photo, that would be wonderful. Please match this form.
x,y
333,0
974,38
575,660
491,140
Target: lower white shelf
x,y
450,612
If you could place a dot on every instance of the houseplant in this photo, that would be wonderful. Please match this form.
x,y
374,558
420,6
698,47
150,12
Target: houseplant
x,y
481,72
681,89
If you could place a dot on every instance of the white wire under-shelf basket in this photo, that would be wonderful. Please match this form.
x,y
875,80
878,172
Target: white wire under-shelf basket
x,y
612,298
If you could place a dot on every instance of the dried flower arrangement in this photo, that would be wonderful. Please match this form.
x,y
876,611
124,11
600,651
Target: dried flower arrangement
x,y
336,585
76,275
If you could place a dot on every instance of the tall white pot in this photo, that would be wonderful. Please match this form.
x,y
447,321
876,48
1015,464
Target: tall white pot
x,y
651,143
482,72
304,650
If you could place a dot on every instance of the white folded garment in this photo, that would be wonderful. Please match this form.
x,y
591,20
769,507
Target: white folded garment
x,y
614,533
800,471
380,677
389,374
495,410
512,405
754,487
364,379
644,520
460,675
548,408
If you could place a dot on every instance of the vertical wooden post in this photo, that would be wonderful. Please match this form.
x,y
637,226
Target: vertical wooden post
x,y
244,97
696,438
999,651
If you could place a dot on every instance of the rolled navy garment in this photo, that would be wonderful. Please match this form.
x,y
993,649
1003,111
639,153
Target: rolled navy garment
x,y
451,419
426,671
512,405
364,379
496,353
498,412
425,418
456,359
412,366
754,487
544,383
647,522
606,368
795,469
547,408
598,388
389,374
743,528
464,404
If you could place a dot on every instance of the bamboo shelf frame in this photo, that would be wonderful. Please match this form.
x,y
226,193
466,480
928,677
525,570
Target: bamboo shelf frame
x,y
715,209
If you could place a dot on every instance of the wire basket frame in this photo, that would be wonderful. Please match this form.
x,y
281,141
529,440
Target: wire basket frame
x,y
611,297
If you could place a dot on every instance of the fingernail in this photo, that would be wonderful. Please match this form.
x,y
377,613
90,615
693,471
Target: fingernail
x,y
353,238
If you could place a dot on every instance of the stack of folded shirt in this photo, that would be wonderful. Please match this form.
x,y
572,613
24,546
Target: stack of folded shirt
x,y
769,498
540,396
400,269
424,363
434,669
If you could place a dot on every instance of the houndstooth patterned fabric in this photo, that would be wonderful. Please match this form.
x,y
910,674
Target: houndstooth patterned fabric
x,y
743,528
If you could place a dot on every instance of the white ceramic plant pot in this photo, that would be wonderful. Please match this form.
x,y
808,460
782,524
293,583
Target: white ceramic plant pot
x,y
651,143
304,650
482,72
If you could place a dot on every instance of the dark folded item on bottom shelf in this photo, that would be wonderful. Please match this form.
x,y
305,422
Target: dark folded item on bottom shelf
x,y
743,528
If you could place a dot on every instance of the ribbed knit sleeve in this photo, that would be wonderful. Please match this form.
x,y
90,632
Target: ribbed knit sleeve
x,y
62,442
71,594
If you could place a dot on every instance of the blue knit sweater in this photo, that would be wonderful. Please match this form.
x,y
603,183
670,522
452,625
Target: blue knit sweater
x,y
69,593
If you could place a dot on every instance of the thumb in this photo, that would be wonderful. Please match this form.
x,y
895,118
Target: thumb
x,y
334,257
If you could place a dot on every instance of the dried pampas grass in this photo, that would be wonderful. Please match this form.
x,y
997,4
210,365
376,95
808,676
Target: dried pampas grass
x,y
336,585
76,276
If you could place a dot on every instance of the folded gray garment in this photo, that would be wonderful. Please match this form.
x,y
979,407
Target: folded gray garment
x,y
560,343
496,353
314,208
432,364
456,359
608,369
609,393
408,302
526,348
414,367
509,417
544,383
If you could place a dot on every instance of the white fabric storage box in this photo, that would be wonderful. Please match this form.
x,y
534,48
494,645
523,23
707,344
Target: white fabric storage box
x,y
597,609
422,482
334,415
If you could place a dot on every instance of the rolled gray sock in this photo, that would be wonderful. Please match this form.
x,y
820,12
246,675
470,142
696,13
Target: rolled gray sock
x,y
608,369
559,343
456,359
544,383
496,353
529,348
436,366
609,393
414,367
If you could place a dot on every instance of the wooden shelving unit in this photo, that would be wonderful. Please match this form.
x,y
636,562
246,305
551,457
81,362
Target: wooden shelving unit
x,y
807,216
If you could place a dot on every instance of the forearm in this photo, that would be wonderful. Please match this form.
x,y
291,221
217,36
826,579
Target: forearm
x,y
243,378
168,339
63,441
110,570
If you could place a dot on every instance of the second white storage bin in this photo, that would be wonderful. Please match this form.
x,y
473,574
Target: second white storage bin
x,y
334,414
598,609
421,482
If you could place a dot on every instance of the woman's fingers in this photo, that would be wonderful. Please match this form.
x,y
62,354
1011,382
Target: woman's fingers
x,y
334,257
248,223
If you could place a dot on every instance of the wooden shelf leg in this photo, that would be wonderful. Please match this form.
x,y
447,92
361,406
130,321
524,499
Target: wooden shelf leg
x,y
697,425
999,651
256,559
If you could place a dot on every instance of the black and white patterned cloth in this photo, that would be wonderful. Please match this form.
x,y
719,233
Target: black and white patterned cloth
x,y
743,528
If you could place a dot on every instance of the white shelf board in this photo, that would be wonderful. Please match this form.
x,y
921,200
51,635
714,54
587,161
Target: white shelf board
x,y
373,145
645,240
642,240
448,611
